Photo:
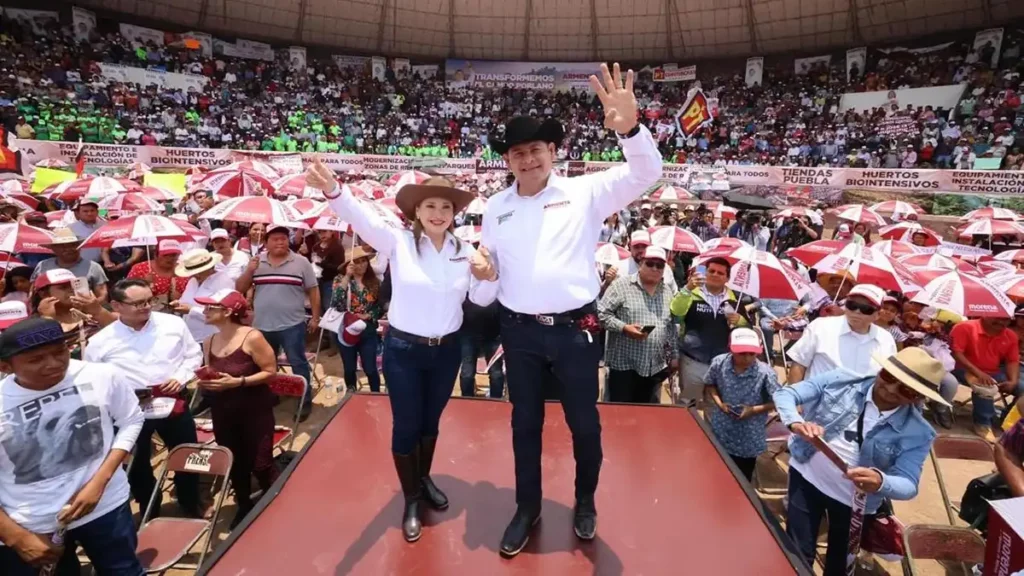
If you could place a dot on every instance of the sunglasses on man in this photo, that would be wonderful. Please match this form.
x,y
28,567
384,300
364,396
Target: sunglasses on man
x,y
866,309
656,264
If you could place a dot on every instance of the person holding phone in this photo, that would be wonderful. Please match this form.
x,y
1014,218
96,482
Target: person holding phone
x,y
738,389
635,310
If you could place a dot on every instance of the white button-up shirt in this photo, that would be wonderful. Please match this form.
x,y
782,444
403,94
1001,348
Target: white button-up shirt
x,y
235,266
543,246
829,343
195,320
427,288
163,350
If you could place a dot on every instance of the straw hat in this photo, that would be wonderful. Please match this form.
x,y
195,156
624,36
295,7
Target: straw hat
x,y
196,262
63,236
917,370
359,252
410,196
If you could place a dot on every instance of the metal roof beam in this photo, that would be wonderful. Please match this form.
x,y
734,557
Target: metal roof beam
x,y
593,28
669,42
451,28
383,22
751,27
302,21
854,18
526,36
203,9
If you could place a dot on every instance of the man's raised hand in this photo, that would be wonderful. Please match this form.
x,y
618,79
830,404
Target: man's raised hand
x,y
616,97
320,177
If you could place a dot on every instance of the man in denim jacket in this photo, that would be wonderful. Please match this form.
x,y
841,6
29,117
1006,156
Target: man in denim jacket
x,y
875,425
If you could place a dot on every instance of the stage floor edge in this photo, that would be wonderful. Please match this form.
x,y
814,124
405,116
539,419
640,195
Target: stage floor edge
x,y
669,502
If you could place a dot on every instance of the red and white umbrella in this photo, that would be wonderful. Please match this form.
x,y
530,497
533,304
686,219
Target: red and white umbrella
x,y
675,239
96,188
368,189
262,168
904,232
989,267
719,209
307,207
130,202
159,194
869,266
990,227
295,185
19,190
895,248
17,238
966,295
811,253
863,215
399,179
469,234
761,275
140,227
330,221
670,194
799,211
897,208
138,170
1011,256
992,212
1010,283
234,184
610,254
51,163
477,205
9,262
255,210
724,243
937,261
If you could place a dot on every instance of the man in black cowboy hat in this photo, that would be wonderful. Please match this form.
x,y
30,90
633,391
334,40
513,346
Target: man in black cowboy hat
x,y
537,258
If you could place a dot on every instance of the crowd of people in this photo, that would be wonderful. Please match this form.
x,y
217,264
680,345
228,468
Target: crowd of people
x,y
51,88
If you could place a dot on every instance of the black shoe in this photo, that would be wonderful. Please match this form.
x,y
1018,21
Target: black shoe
x,y
240,514
431,493
305,412
584,521
517,534
407,466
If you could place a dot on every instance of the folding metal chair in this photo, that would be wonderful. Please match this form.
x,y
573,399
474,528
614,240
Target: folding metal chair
x,y
970,448
947,544
777,435
288,385
163,542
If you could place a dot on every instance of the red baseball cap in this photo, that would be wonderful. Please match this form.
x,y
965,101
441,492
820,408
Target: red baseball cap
x,y
230,299
55,276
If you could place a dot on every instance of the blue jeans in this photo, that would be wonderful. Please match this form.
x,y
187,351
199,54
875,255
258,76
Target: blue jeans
x,y
544,360
109,542
472,348
366,351
984,409
806,506
420,382
293,342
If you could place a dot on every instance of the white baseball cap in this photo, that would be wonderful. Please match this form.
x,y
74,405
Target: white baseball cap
x,y
11,313
743,341
645,206
640,237
870,292
655,253
54,276
219,233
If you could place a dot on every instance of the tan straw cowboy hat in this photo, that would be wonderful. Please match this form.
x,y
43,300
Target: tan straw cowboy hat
x,y
917,370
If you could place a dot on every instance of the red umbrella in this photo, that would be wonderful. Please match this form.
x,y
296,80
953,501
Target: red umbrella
x,y
146,226
868,266
897,207
670,194
937,261
861,214
368,189
966,295
19,190
295,185
255,209
262,168
611,254
987,267
9,262
307,207
904,231
236,183
98,187
17,238
1012,284
992,212
159,194
811,253
399,179
725,243
894,248
1011,256
990,227
675,239
131,202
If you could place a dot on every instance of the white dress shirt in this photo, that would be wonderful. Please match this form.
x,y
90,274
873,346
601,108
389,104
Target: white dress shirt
x,y
162,350
235,266
543,246
195,320
427,288
829,343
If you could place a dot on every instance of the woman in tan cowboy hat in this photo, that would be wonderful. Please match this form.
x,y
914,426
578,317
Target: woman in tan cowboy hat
x,y
430,274
357,290
200,267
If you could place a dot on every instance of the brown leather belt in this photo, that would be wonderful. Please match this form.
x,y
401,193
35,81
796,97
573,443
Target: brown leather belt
x,y
435,341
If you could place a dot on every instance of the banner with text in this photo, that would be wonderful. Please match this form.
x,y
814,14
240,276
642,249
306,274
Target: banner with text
x,y
556,76
244,49
945,97
141,36
350,62
899,180
83,22
754,75
666,74
856,63
144,78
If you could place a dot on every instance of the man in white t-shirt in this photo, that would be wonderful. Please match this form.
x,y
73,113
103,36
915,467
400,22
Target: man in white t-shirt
x,y
846,341
60,457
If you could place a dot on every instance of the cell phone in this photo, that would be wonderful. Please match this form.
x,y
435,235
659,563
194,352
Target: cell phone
x,y
80,286
647,329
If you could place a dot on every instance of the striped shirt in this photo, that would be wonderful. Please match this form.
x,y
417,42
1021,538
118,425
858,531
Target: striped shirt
x,y
279,299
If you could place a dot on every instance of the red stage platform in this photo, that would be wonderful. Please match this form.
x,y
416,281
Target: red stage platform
x,y
667,504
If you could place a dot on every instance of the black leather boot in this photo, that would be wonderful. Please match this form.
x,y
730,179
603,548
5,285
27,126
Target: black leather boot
x,y
407,466
517,534
431,493
584,520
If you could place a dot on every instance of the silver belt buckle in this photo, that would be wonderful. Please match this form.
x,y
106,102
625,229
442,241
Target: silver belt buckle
x,y
436,341
545,320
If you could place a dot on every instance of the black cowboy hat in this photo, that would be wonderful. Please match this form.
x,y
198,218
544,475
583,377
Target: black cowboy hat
x,y
528,129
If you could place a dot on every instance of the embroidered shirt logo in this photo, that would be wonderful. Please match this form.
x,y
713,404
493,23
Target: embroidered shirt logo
x,y
505,216
561,204
459,259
